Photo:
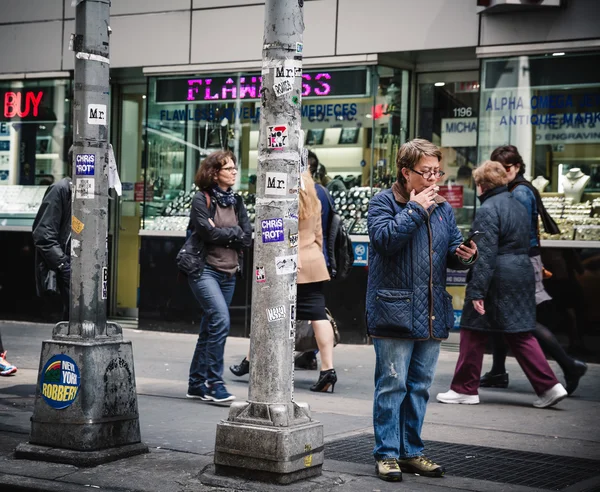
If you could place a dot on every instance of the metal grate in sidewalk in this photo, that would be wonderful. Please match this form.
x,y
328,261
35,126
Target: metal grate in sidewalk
x,y
536,470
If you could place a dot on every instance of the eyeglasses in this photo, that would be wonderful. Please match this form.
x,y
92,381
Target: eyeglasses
x,y
230,169
507,167
429,174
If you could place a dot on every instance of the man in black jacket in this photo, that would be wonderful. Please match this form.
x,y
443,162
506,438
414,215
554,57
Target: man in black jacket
x,y
52,239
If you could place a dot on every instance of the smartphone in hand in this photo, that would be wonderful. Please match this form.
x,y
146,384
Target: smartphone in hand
x,y
472,237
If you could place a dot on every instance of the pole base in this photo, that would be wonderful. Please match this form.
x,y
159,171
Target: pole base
x,y
86,398
35,452
222,472
271,454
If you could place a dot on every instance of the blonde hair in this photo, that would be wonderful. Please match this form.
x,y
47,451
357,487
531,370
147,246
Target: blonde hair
x,y
309,201
489,175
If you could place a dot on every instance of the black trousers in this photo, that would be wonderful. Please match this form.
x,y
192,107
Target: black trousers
x,y
546,339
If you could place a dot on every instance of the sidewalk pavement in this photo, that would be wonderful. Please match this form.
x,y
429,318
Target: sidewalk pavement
x,y
181,432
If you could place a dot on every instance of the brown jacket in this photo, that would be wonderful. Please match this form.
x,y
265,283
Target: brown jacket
x,y
311,262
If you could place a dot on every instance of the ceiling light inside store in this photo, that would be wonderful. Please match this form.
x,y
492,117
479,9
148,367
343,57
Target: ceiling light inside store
x,y
369,115
560,53
440,84
144,96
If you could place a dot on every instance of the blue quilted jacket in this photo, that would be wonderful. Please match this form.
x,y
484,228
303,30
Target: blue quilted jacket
x,y
409,252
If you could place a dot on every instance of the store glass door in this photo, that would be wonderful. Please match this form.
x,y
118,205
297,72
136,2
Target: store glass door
x,y
127,213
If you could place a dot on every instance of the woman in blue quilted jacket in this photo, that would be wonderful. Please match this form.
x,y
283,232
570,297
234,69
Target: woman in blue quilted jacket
x,y
414,238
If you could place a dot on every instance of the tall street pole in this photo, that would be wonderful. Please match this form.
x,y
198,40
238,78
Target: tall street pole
x,y
86,411
270,437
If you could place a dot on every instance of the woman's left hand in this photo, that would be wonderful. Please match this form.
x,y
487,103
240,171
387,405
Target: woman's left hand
x,y
479,306
466,252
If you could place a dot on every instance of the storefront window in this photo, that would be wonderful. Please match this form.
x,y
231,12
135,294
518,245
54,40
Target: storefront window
x,y
35,135
549,107
448,110
342,111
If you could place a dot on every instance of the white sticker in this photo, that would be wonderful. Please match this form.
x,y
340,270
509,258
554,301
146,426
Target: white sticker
x,y
97,114
277,137
283,87
75,244
276,184
275,313
293,238
261,276
292,292
286,264
299,48
84,188
288,70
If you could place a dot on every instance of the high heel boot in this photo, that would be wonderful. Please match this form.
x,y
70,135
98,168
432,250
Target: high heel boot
x,y
241,369
326,379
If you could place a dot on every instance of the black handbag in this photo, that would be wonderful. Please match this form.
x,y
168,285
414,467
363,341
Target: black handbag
x,y
305,335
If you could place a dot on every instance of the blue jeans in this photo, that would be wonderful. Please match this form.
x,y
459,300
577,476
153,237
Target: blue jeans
x,y
213,290
404,372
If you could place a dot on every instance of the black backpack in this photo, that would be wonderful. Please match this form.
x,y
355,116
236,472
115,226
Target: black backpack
x,y
339,246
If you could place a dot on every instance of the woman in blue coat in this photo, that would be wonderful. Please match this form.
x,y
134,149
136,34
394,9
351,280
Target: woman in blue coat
x,y
414,238
500,295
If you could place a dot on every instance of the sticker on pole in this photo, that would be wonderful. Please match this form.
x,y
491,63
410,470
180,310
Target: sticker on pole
x,y
60,381
275,313
76,225
104,283
96,114
276,184
277,137
286,264
84,188
283,87
85,164
261,276
272,231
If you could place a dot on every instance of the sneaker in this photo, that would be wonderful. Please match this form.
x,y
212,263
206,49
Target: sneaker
x,y
551,397
6,368
452,396
199,392
421,466
388,469
489,380
218,393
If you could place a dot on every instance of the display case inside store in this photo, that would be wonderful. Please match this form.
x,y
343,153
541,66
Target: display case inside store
x,y
352,118
19,204
549,108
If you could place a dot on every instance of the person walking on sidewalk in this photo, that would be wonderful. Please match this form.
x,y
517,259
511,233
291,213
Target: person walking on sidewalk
x,y
500,295
414,238
312,273
211,257
528,196
6,368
